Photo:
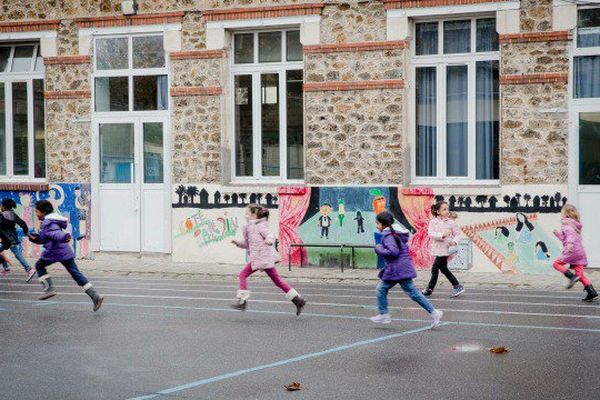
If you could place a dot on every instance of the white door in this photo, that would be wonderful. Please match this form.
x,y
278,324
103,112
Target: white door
x,y
587,136
132,195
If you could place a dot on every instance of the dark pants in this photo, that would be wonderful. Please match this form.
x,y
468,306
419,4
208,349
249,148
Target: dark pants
x,y
325,231
70,266
441,265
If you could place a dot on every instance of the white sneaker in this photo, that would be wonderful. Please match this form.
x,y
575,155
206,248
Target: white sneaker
x,y
382,319
436,317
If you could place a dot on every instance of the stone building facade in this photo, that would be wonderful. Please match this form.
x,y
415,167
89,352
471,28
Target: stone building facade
x,y
163,125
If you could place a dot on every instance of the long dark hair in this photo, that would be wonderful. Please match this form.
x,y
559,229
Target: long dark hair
x,y
258,210
524,222
386,219
435,209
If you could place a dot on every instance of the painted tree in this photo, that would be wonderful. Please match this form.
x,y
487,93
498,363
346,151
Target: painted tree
x,y
452,202
545,199
468,202
518,197
506,199
564,201
461,201
269,199
180,191
526,197
536,202
226,198
259,197
493,201
481,200
557,198
192,191
253,198
243,198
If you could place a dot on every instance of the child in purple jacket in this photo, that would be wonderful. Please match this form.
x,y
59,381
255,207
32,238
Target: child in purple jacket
x,y
57,249
398,269
573,252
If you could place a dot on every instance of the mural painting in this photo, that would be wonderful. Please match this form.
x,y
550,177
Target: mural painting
x,y
206,219
71,200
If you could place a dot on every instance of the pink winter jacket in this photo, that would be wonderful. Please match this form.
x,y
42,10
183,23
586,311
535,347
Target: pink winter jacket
x,y
437,227
261,255
570,235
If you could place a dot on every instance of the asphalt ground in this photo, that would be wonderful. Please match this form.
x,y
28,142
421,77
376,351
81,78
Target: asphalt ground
x,y
174,339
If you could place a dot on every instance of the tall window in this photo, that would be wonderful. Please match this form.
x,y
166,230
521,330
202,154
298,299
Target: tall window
x,y
457,100
586,60
268,105
130,74
22,124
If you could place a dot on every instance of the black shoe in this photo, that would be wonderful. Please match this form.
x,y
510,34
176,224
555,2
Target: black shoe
x,y
239,305
573,279
591,294
427,292
96,298
299,302
48,288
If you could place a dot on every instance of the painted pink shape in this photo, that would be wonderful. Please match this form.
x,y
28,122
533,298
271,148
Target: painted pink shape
x,y
416,206
293,204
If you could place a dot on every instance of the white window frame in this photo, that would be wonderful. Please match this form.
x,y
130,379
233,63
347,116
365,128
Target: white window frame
x,y
129,72
8,78
579,52
441,61
256,69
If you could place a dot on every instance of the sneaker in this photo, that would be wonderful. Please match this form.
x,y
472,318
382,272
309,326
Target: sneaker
x,y
436,317
427,292
381,319
457,291
30,274
572,282
239,305
5,272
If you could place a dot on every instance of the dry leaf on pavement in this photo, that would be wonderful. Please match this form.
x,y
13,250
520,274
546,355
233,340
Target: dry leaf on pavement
x,y
293,386
500,350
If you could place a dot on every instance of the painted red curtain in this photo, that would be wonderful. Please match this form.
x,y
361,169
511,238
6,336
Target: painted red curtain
x,y
293,204
416,206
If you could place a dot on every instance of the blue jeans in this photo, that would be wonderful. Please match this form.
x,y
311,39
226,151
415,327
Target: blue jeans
x,y
70,266
16,250
408,287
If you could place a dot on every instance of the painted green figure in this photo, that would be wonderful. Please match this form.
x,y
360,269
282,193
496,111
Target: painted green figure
x,y
341,211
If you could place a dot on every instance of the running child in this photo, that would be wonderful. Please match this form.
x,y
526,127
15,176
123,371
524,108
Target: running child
x,y
573,252
258,242
444,235
398,269
57,249
9,236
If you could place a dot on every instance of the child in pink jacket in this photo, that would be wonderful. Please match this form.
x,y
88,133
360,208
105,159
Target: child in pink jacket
x,y
573,252
443,234
258,242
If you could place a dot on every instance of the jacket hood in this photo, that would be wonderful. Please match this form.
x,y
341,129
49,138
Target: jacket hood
x,y
8,215
571,222
400,230
55,218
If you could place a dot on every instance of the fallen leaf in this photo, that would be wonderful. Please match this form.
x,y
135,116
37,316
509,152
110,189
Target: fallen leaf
x,y
500,350
293,386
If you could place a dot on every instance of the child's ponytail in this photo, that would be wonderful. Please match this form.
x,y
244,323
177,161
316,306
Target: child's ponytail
x,y
435,208
386,219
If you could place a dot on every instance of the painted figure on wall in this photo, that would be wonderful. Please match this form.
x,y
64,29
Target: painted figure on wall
x,y
524,228
541,251
502,234
360,221
341,212
325,220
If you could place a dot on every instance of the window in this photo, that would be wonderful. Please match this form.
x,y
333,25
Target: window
x,y
130,74
268,106
456,73
22,123
586,60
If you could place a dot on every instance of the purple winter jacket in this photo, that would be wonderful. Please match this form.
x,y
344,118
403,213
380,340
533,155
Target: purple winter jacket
x,y
570,235
397,262
54,239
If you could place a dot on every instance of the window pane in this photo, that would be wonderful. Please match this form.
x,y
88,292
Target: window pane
x,y
243,126
269,47
153,152
487,121
588,27
22,59
294,47
589,148
269,86
457,121
148,52
2,129
112,94
112,53
487,37
457,37
39,60
39,131
4,56
427,38
587,77
295,126
20,133
426,122
244,48
150,92
116,153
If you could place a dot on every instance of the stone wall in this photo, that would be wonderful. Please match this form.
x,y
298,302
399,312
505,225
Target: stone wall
x,y
68,77
536,15
67,38
202,72
353,22
534,57
354,137
193,31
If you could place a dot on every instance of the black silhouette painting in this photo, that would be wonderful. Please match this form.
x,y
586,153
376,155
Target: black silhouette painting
x,y
359,222
192,197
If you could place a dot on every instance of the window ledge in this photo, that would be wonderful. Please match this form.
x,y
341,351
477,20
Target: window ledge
x,y
25,186
445,188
